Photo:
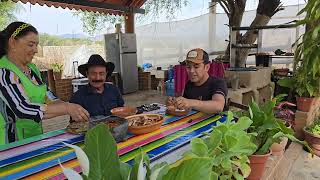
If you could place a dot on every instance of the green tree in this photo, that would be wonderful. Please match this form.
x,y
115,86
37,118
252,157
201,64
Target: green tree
x,y
52,40
7,11
94,22
235,10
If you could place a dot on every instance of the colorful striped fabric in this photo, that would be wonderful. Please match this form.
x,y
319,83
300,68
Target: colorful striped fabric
x,y
38,159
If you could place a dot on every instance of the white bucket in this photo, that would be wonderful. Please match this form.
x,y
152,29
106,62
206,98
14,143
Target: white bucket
x,y
77,83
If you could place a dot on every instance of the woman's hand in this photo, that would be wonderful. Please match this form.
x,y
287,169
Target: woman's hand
x,y
77,112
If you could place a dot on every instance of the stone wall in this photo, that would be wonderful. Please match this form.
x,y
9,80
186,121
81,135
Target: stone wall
x,y
255,85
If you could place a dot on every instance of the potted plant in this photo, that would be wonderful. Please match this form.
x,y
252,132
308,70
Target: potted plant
x,y
57,70
312,136
281,71
228,146
284,113
305,81
268,130
305,86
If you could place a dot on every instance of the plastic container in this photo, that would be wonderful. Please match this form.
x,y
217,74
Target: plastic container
x,y
170,88
170,73
78,83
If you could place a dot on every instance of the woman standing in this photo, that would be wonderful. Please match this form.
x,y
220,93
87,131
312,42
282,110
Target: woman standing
x,y
23,95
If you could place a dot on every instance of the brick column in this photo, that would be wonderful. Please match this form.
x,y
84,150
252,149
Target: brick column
x,y
64,89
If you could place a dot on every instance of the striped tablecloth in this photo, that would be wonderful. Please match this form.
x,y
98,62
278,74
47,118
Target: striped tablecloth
x,y
38,157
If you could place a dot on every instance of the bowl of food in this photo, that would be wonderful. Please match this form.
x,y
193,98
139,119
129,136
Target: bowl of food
x,y
118,126
144,123
124,111
171,110
78,127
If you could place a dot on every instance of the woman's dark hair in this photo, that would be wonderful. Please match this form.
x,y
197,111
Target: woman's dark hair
x,y
10,30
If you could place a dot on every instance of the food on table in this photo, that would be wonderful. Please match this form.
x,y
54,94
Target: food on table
x,y
144,123
172,110
78,127
112,124
143,120
148,108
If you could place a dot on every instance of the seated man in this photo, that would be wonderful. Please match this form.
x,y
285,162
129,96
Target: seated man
x,y
98,97
202,92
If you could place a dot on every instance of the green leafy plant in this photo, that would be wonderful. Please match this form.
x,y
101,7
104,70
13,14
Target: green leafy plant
x,y
228,147
305,80
100,160
303,84
314,128
139,68
267,127
57,67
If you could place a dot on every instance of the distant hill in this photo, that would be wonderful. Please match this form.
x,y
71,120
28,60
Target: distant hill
x,y
76,36
81,36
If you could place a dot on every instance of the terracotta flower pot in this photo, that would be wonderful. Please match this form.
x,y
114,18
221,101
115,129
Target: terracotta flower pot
x,y
257,165
278,148
313,140
281,72
304,104
298,128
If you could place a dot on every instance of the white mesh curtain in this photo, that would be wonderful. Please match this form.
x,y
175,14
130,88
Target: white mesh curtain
x,y
162,44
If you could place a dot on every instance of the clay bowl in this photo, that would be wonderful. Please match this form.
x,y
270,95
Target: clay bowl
x,y
176,112
144,129
124,111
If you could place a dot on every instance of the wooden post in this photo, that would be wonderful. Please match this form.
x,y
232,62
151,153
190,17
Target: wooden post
x,y
51,82
212,25
129,23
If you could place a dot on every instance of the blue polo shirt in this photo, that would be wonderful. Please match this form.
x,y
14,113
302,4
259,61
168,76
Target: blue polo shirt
x,y
98,103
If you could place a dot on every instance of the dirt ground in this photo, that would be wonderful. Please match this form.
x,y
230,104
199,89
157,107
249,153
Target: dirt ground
x,y
143,97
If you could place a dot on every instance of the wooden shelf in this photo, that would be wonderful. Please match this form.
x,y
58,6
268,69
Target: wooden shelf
x,y
250,46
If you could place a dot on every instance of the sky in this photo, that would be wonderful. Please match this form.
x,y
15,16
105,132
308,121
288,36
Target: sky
x,y
61,21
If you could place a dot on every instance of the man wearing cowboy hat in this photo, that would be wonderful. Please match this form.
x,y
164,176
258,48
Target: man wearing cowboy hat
x,y
98,97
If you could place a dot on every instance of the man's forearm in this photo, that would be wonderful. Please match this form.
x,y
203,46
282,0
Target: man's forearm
x,y
207,106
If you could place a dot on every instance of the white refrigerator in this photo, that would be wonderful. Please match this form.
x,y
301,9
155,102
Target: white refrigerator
x,y
121,49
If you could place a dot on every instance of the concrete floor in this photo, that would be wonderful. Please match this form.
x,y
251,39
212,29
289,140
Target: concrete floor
x,y
294,164
143,97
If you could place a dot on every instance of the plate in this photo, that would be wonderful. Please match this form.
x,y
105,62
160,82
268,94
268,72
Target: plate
x,y
124,111
171,110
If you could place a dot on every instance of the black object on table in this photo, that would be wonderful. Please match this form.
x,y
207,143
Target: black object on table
x,y
119,132
147,108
